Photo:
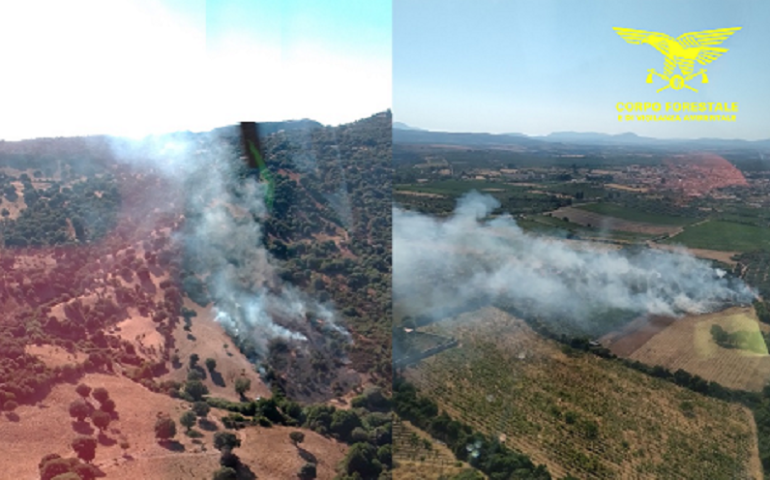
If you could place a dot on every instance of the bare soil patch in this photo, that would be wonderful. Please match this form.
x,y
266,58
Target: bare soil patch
x,y
635,334
54,356
597,220
725,257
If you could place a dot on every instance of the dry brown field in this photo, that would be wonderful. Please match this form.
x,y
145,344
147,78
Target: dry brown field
x,y
687,344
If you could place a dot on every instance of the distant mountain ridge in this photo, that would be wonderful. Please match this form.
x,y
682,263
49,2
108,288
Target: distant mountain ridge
x,y
403,126
417,136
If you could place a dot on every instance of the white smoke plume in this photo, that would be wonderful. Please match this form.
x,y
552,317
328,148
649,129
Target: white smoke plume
x,y
465,258
223,239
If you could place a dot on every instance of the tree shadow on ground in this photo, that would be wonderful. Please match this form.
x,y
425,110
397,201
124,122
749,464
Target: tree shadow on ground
x,y
12,416
82,427
243,472
96,471
105,440
148,286
207,425
306,456
172,445
216,377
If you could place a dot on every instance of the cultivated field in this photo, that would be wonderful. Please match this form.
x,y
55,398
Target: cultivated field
x,y
721,235
417,456
687,343
579,414
632,215
598,220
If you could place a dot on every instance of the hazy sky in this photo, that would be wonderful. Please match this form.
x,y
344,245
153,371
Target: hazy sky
x,y
133,67
541,66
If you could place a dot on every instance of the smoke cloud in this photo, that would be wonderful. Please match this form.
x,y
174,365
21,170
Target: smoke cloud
x,y
222,239
439,264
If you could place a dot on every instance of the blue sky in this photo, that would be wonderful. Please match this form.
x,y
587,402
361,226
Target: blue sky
x,y
536,67
135,67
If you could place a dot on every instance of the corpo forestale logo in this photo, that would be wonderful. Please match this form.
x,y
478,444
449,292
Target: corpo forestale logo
x,y
681,52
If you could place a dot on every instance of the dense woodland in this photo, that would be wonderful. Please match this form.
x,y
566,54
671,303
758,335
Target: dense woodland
x,y
331,225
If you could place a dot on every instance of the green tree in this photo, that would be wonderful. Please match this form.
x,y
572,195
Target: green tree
x,y
211,364
100,394
242,385
226,441
85,447
225,473
194,358
79,409
101,419
83,390
307,472
67,476
165,428
201,409
297,437
108,405
188,419
196,389
362,459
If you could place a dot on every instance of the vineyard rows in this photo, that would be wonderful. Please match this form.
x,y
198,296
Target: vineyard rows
x,y
580,415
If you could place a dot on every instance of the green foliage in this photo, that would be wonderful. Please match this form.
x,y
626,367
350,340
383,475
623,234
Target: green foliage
x,y
101,419
343,423
201,409
83,390
297,437
196,290
195,389
100,394
225,473
741,340
636,215
165,428
226,441
468,474
362,459
727,236
211,364
188,419
79,409
307,472
424,414
85,447
45,220
242,385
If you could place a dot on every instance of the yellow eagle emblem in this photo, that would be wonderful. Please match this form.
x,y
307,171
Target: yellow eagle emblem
x,y
681,52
